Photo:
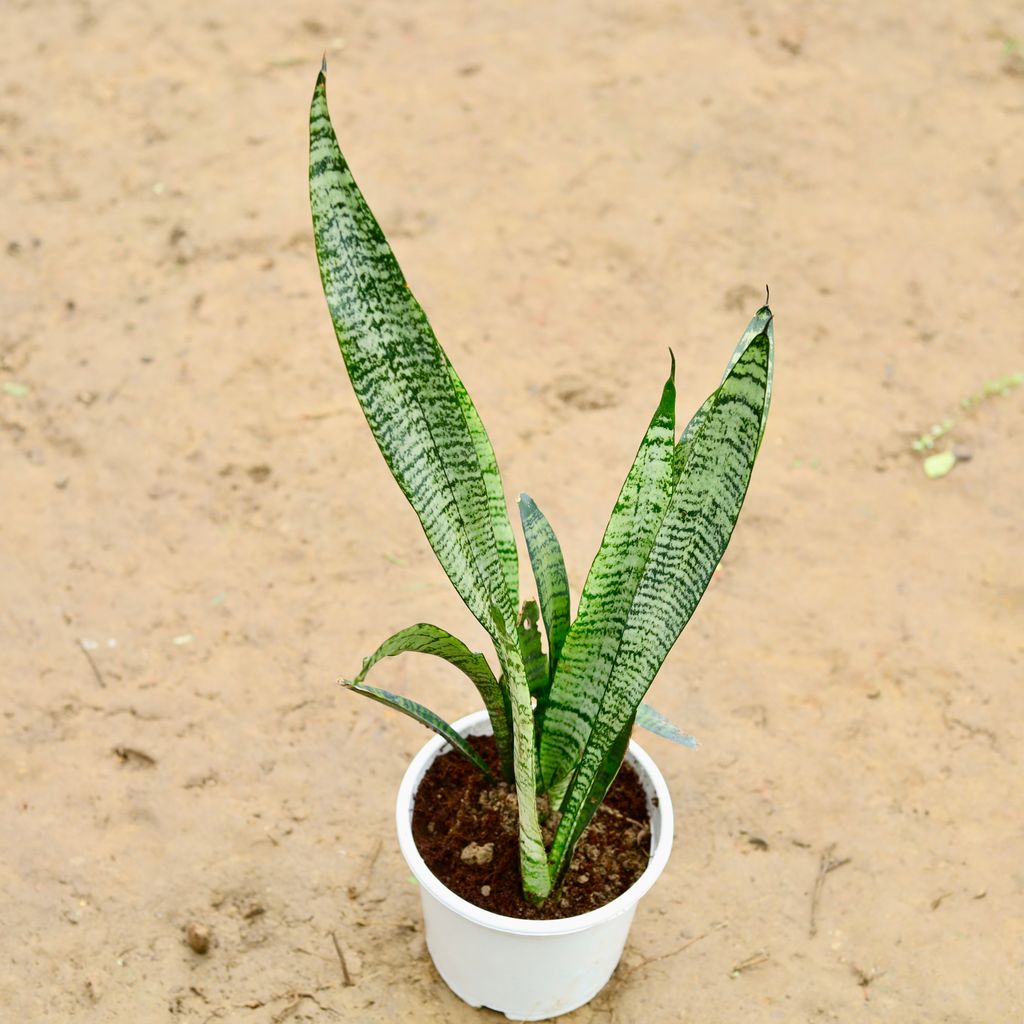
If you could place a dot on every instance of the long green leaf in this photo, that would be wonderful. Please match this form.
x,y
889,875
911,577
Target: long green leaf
x,y
605,777
690,542
590,647
654,721
417,413
760,323
503,535
532,855
646,718
549,574
423,638
679,456
422,715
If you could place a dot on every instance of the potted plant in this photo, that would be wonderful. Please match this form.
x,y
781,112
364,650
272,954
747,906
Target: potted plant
x,y
560,710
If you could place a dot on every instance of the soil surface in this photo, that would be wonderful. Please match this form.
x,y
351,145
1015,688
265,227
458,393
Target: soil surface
x,y
467,832
199,535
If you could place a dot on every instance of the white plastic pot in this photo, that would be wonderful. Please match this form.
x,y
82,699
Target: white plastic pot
x,y
528,970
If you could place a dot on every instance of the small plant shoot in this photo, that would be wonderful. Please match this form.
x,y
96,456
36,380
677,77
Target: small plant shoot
x,y
566,691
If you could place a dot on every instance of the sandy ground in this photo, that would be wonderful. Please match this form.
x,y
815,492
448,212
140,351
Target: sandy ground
x,y
199,535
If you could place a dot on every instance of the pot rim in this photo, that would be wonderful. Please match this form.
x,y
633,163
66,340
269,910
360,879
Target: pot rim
x,y
661,838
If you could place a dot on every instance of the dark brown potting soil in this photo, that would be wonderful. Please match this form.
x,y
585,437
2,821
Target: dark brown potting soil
x,y
467,832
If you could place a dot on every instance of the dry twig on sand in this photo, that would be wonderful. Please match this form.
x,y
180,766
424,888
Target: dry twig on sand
x,y
827,865
346,977
755,960
665,956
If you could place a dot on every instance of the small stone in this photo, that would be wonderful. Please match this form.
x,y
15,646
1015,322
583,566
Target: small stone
x,y
477,853
198,938
485,890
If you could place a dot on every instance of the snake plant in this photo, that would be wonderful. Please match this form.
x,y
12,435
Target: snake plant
x,y
563,703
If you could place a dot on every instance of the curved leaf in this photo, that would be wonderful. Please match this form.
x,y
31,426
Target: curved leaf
x,y
589,650
654,721
689,544
424,638
422,715
401,377
549,575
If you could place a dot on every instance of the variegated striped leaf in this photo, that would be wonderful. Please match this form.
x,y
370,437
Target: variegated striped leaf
x,y
422,715
690,542
679,456
401,377
424,638
503,536
533,861
549,574
534,660
605,777
592,641
654,721
760,323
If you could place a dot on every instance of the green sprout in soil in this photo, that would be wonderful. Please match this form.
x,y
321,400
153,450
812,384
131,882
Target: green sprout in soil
x,y
940,463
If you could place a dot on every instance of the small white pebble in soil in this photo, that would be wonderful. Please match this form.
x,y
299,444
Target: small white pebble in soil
x,y
485,890
477,853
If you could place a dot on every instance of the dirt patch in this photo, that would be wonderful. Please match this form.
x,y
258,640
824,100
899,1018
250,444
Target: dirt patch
x,y
468,833
572,190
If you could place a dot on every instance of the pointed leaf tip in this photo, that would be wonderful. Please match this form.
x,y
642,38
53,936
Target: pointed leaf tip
x,y
323,64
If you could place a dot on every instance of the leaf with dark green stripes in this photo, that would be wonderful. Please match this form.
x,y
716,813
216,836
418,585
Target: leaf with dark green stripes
x,y
503,536
424,638
534,660
421,419
561,719
533,861
590,646
654,721
422,715
679,456
549,574
689,544
760,323
606,776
